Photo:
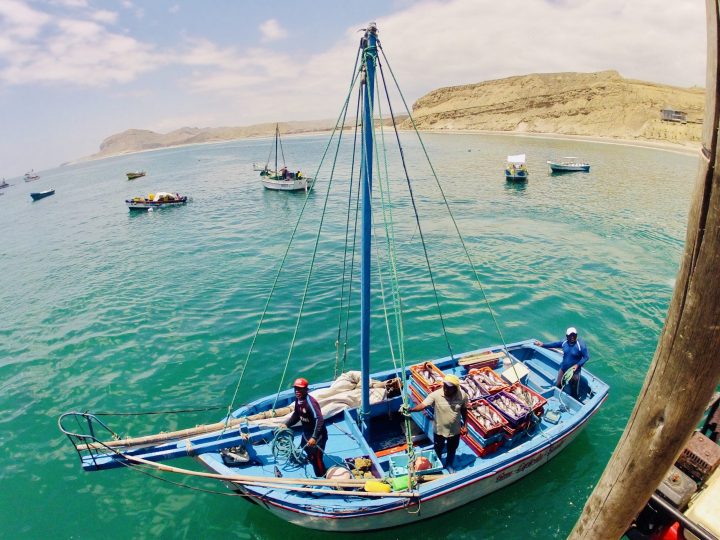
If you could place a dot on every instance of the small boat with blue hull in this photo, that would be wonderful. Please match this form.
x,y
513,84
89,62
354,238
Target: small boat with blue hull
x,y
250,433
36,196
381,471
568,164
516,170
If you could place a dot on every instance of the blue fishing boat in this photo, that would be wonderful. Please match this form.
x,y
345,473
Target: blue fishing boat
x,y
36,196
568,164
381,468
516,170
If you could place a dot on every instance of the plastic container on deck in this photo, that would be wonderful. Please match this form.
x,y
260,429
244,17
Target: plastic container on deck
x,y
515,413
531,398
399,463
479,410
489,379
419,373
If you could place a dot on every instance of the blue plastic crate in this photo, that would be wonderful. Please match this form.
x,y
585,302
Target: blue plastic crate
x,y
399,463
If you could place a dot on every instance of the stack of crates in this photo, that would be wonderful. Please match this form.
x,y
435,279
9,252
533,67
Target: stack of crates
x,y
532,399
419,383
515,412
485,428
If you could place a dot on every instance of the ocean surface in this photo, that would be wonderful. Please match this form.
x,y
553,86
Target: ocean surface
x,y
112,312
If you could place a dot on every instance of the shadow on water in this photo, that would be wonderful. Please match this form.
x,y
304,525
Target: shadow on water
x,y
516,185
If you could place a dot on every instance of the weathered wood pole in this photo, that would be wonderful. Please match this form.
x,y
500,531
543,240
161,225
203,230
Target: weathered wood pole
x,y
686,366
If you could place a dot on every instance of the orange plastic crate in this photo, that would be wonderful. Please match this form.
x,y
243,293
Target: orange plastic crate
x,y
488,378
417,373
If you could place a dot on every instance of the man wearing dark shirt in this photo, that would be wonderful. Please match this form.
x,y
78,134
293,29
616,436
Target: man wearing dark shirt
x,y
307,411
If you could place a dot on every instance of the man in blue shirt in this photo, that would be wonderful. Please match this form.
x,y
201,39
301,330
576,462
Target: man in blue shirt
x,y
575,354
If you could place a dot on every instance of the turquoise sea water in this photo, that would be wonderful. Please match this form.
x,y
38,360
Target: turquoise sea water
x,y
108,311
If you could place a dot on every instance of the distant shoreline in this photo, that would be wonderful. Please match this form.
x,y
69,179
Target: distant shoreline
x,y
667,146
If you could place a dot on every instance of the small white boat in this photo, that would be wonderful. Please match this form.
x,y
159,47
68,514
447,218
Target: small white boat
x,y
30,176
282,179
285,181
516,169
569,164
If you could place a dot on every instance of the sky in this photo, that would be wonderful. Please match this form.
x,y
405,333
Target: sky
x,y
73,72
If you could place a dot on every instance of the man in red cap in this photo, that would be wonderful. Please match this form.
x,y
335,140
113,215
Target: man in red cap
x,y
315,434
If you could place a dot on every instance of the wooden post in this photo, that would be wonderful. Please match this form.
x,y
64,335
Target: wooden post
x,y
686,367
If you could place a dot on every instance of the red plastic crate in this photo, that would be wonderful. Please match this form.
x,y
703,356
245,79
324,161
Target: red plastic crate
x,y
480,450
498,420
538,402
488,378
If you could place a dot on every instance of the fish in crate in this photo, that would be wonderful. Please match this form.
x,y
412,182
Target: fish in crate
x,y
473,389
427,375
490,380
485,418
532,399
510,407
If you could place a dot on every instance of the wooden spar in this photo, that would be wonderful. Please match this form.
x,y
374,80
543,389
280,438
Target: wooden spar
x,y
277,483
685,370
184,433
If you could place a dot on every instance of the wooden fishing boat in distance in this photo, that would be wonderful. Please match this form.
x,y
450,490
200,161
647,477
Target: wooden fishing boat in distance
x,y
155,200
36,196
568,164
135,174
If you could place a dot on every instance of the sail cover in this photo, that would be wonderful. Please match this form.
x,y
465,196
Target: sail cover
x,y
343,393
518,159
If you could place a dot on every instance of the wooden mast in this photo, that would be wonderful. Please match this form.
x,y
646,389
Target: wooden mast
x,y
686,367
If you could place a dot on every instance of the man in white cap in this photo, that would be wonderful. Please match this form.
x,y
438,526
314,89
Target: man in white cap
x,y
575,354
450,412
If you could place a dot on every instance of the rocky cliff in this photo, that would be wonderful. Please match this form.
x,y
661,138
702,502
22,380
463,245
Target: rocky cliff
x,y
600,104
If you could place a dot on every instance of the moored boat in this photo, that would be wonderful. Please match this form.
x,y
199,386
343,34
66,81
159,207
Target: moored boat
x,y
156,200
382,470
4,184
568,164
282,179
516,169
36,196
135,174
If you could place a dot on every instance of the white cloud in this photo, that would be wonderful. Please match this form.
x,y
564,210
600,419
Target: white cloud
x,y
271,30
104,16
77,51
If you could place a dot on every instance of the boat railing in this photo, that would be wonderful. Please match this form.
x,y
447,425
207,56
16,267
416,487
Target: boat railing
x,y
88,436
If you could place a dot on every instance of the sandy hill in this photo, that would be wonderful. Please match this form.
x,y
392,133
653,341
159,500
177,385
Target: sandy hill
x,y
602,104
136,140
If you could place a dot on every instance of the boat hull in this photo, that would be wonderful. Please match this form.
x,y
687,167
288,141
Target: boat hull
x,y
466,491
42,194
569,167
516,177
286,185
144,206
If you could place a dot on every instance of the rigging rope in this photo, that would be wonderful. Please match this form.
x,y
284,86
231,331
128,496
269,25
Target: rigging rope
x,y
442,192
315,247
345,257
277,276
415,210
